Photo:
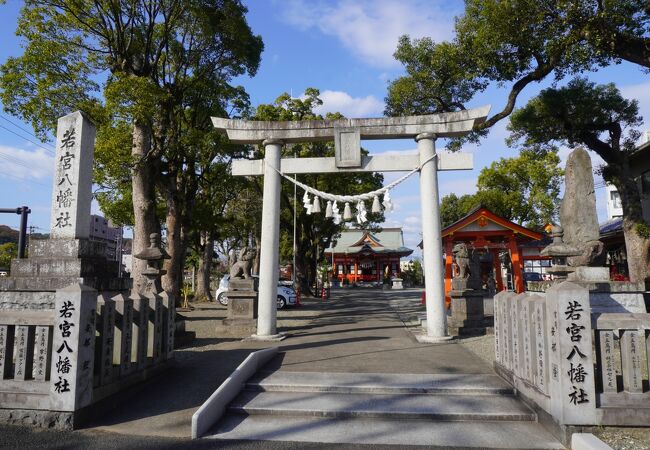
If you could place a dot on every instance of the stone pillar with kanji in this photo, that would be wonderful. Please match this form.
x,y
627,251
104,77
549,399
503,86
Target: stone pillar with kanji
x,y
572,381
71,381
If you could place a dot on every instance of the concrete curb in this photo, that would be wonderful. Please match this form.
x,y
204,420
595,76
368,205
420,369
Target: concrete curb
x,y
214,407
587,441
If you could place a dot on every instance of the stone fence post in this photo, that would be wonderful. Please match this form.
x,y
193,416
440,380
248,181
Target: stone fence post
x,y
71,384
572,381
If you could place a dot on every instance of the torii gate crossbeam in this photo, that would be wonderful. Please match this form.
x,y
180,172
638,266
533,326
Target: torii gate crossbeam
x,y
347,133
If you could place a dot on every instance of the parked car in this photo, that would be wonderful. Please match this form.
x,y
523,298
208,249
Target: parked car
x,y
533,276
286,295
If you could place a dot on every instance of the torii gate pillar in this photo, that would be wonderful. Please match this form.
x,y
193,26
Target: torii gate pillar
x,y
431,241
269,256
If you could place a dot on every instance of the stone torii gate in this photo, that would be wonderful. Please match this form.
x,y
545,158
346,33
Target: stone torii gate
x,y
347,135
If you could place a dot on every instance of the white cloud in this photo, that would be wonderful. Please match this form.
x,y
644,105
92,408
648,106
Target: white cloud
x,y
370,28
339,101
16,163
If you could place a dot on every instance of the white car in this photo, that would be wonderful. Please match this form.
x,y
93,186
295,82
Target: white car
x,y
286,295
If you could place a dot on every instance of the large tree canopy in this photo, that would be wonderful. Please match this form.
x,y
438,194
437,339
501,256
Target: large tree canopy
x,y
167,66
516,43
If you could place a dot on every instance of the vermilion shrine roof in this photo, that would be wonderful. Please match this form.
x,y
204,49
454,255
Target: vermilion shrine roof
x,y
481,220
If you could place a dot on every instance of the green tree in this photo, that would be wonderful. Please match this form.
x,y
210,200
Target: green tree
x,y
598,117
8,251
524,189
168,65
314,232
518,43
454,208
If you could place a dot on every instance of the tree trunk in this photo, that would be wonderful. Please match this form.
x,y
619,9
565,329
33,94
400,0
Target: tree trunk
x,y
637,246
173,280
144,200
203,290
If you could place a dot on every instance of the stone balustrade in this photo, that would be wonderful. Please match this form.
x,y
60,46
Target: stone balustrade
x,y
88,347
579,367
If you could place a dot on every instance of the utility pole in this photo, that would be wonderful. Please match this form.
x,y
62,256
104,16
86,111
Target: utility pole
x,y
23,211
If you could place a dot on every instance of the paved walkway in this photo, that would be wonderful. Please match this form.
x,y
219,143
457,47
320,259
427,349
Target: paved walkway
x,y
355,331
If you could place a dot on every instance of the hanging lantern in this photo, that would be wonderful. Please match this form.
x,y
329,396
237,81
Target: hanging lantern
x,y
328,210
376,206
315,208
347,212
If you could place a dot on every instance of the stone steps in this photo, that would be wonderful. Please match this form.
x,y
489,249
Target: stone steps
x,y
492,435
447,407
380,383
447,410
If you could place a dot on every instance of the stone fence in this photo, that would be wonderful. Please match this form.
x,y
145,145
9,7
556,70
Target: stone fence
x,y
578,367
56,362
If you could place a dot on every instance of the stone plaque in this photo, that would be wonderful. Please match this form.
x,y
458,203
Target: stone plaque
x,y
169,324
71,383
72,186
6,350
631,348
43,353
123,333
506,337
514,333
104,348
497,327
155,317
526,341
540,345
607,361
140,331
347,143
25,336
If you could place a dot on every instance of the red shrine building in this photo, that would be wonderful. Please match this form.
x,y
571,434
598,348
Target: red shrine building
x,y
509,253
367,256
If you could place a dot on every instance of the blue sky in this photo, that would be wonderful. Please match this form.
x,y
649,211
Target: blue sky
x,y
342,47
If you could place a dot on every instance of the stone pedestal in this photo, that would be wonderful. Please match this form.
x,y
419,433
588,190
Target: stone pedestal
x,y
468,314
242,307
397,283
607,296
55,264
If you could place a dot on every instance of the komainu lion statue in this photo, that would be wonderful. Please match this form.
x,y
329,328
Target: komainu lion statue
x,y
461,258
242,267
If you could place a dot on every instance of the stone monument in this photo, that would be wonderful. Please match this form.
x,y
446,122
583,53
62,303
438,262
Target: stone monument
x,y
578,212
242,295
578,255
68,256
467,308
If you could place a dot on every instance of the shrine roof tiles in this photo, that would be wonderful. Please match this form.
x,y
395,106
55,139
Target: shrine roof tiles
x,y
388,240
